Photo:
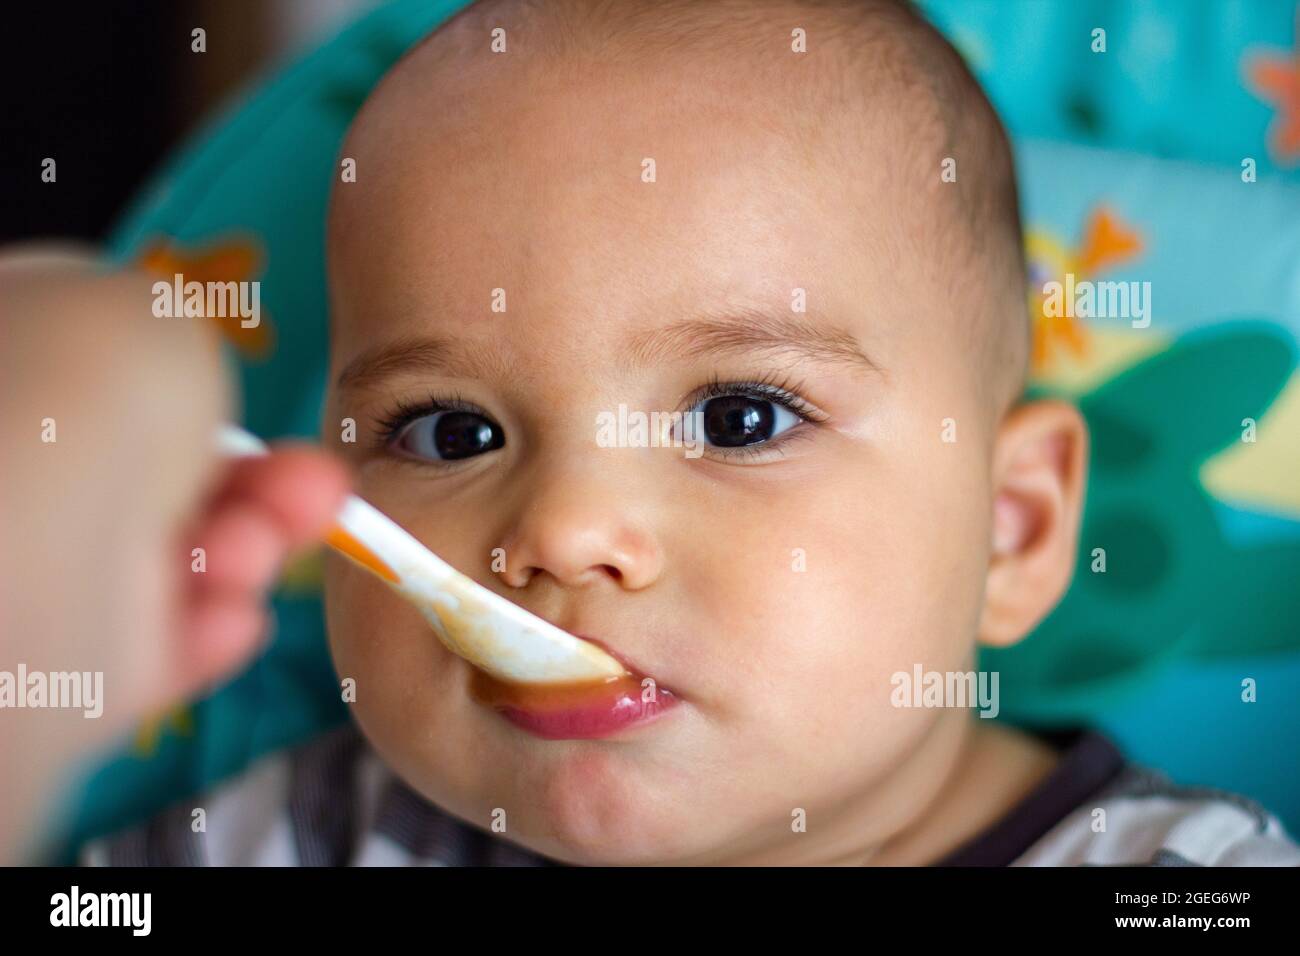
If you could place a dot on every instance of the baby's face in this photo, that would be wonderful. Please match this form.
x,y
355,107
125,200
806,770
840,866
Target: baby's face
x,y
827,536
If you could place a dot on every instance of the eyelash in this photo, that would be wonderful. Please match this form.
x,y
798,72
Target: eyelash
x,y
403,412
772,387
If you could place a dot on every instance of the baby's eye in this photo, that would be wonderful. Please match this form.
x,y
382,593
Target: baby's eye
x,y
732,421
449,436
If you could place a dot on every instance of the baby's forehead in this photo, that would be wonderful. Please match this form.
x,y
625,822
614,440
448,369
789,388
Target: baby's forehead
x,y
610,174
763,135
794,66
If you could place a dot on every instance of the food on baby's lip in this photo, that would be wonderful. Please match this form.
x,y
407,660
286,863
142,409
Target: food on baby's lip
x,y
556,696
574,711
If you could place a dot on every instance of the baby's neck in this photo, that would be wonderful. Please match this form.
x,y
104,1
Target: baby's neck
x,y
966,776
995,768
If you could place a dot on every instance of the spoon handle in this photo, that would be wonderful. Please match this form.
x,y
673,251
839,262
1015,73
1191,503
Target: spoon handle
x,y
362,532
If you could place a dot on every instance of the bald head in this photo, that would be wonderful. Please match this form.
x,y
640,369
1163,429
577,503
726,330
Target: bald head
x,y
874,71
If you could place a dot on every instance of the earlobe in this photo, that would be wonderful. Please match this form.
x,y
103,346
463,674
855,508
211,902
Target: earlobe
x,y
1039,474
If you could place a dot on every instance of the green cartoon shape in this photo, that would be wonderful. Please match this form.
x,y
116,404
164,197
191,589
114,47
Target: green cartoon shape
x,y
1173,584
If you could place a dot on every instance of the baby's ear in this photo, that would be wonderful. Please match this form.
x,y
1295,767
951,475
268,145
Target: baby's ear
x,y
1040,466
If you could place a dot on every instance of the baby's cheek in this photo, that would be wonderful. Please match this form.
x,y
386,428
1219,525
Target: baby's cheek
x,y
792,613
394,675
871,581
814,720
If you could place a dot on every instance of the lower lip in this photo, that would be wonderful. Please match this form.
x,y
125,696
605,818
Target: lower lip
x,y
572,711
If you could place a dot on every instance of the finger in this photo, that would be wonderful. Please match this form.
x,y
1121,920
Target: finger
x,y
222,632
243,548
298,487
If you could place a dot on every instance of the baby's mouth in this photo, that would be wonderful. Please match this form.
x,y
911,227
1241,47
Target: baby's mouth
x,y
577,711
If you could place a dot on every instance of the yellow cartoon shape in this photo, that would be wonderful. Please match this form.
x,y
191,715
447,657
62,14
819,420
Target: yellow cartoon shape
x,y
149,735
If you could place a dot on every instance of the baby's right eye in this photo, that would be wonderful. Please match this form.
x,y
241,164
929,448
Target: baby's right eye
x,y
448,435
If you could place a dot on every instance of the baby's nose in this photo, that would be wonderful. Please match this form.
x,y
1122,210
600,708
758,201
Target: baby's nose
x,y
580,531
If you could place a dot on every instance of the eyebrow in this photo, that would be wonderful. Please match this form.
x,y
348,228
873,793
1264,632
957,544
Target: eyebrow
x,y
750,330
736,331
420,353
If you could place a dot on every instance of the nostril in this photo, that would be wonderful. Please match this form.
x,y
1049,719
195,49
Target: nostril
x,y
518,578
614,572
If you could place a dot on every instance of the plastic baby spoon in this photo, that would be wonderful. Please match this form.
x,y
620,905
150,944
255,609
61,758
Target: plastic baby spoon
x,y
493,634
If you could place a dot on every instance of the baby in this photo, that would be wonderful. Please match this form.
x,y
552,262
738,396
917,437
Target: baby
x,y
794,223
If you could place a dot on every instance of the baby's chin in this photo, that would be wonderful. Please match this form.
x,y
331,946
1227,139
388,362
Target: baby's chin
x,y
600,808
581,802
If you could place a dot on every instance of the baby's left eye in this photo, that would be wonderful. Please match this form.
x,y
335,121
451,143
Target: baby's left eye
x,y
733,421
448,435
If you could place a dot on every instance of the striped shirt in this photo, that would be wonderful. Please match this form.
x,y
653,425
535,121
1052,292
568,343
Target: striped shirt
x,y
333,802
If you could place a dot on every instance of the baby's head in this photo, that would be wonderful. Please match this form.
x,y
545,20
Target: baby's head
x,y
673,207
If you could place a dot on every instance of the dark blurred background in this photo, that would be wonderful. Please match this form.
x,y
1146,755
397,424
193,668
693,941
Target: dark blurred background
x,y
106,88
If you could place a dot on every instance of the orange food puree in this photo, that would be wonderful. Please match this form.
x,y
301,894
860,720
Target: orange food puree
x,y
494,692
